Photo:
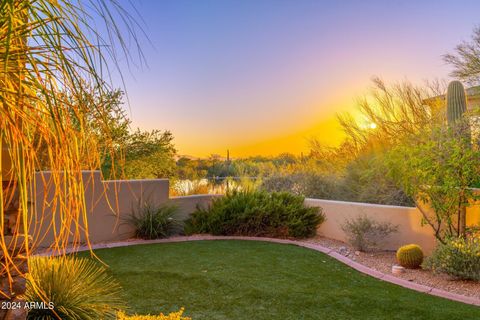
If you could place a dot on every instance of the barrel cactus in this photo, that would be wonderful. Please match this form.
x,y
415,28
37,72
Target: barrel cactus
x,y
410,256
456,102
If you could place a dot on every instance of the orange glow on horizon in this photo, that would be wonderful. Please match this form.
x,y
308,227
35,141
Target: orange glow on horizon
x,y
327,131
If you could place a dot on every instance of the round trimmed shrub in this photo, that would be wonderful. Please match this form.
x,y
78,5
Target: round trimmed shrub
x,y
410,256
257,213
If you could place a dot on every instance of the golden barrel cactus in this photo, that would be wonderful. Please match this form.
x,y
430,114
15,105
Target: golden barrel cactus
x,y
410,256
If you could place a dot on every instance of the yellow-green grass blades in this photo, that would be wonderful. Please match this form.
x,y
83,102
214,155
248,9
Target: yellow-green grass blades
x,y
73,288
51,58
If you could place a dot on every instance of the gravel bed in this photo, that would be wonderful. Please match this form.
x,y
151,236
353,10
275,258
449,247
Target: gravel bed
x,y
384,260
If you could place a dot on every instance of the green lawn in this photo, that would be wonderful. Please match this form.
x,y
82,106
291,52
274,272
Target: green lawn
x,y
248,280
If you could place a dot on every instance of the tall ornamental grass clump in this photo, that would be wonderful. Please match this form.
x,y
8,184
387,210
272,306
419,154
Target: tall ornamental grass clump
x,y
77,288
52,55
458,257
257,213
152,222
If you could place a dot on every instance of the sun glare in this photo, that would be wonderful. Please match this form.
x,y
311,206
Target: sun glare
x,y
373,125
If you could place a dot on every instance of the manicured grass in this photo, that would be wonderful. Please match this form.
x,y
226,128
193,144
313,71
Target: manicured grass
x,y
238,280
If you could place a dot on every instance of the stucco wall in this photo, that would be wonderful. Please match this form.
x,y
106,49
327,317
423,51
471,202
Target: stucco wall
x,y
109,204
408,221
188,204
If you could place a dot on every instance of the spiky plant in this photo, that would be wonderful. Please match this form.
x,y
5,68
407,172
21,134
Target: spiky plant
x,y
456,109
410,256
71,288
456,102
153,222
51,55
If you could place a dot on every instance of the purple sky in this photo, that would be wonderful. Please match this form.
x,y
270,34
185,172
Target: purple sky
x,y
261,76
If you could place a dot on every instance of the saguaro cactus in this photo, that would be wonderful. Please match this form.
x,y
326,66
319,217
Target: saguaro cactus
x,y
456,107
456,102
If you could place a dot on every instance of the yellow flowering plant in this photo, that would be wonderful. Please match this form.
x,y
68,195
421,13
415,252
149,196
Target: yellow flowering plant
x,y
178,315
458,257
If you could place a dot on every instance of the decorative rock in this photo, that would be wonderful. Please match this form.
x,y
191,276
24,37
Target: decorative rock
x,y
19,285
16,287
396,269
11,218
17,313
21,264
357,253
343,251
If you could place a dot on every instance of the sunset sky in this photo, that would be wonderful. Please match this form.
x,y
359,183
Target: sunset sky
x,y
261,77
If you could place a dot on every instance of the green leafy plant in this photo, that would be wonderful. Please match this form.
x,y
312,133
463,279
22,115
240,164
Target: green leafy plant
x,y
76,288
153,222
257,213
437,169
364,233
458,257
410,256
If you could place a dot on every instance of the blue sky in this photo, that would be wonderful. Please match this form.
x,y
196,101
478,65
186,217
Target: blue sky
x,y
263,76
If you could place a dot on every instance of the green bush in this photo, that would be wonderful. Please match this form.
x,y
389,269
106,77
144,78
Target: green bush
x,y
364,234
311,185
153,222
257,213
78,289
362,182
457,257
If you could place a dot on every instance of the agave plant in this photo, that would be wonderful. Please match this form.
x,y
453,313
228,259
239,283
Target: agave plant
x,y
51,55
71,288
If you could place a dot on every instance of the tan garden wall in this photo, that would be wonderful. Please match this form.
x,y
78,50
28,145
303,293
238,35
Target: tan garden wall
x,y
109,204
188,204
408,219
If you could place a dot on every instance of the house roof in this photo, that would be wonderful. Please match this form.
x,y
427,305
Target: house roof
x,y
473,97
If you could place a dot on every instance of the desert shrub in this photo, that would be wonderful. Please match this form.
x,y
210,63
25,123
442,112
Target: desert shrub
x,y
310,185
367,180
364,233
189,187
152,222
410,256
171,316
78,288
279,183
257,213
362,182
457,257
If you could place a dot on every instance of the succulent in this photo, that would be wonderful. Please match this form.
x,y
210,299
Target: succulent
x,y
456,102
410,256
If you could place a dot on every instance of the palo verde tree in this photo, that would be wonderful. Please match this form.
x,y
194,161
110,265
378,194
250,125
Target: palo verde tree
x,y
437,171
51,54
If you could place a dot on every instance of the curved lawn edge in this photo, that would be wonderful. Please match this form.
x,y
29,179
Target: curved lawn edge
x,y
313,246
